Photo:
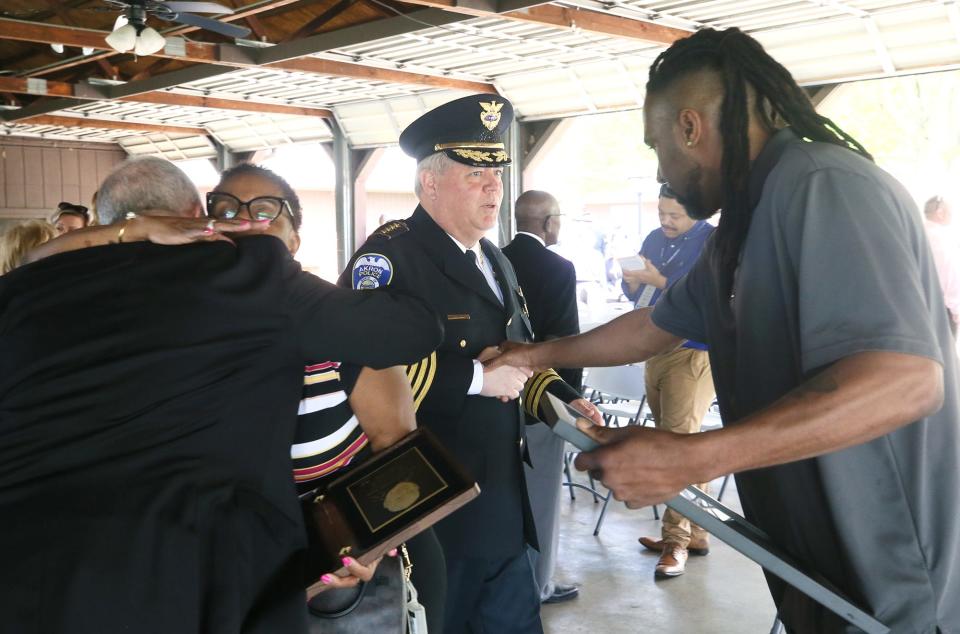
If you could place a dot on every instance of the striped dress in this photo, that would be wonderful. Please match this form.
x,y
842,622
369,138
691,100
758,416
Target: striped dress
x,y
328,435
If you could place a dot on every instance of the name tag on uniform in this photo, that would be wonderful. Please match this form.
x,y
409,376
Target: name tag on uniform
x,y
458,317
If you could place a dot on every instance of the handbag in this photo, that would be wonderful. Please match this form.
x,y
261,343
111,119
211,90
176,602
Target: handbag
x,y
386,604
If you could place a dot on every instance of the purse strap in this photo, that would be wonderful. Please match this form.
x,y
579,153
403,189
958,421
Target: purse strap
x,y
416,613
336,614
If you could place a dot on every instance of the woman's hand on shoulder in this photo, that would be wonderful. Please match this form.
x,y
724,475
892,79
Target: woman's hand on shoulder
x,y
173,230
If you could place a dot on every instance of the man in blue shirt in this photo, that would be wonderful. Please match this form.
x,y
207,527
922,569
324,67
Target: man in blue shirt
x,y
679,383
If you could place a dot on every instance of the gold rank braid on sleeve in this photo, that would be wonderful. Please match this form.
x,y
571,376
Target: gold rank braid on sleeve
x,y
420,375
534,389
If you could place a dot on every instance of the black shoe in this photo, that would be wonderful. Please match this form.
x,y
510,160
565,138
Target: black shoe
x,y
562,593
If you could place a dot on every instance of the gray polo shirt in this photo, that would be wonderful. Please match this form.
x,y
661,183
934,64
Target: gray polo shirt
x,y
836,263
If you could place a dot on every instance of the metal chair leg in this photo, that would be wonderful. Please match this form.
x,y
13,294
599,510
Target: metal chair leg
x,y
566,472
603,514
593,487
723,487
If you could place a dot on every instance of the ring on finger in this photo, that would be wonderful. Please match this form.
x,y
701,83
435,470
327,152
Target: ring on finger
x,y
210,226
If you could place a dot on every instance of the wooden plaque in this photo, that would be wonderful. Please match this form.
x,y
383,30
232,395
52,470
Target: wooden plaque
x,y
384,501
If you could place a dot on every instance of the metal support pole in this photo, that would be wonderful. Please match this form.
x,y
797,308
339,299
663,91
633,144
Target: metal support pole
x,y
225,159
343,195
512,184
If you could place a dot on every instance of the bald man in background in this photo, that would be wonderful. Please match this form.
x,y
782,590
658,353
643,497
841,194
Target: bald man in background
x,y
549,283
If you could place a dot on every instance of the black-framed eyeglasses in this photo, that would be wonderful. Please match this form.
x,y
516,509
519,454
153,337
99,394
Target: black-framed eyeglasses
x,y
224,206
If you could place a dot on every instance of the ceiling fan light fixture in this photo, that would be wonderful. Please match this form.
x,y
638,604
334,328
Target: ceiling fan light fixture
x,y
149,42
123,39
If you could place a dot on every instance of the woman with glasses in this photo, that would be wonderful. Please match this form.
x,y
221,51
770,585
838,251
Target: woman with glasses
x,y
346,413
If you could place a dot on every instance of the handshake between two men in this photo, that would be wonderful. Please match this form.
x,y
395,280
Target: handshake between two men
x,y
506,381
640,465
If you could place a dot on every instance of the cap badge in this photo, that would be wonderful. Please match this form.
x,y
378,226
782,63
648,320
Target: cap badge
x,y
490,116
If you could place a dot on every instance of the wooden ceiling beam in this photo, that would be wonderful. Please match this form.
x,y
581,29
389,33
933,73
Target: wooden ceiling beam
x,y
568,18
238,57
258,28
105,124
199,101
311,27
361,71
20,85
241,13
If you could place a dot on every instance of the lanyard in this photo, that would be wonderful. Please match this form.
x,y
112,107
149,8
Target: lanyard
x,y
646,294
671,258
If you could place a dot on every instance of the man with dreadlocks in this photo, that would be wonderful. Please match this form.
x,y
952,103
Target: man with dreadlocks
x,y
828,337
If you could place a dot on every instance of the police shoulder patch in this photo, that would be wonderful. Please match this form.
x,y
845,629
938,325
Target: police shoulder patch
x,y
372,270
392,229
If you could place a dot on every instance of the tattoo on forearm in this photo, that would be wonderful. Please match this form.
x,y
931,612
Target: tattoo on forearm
x,y
822,383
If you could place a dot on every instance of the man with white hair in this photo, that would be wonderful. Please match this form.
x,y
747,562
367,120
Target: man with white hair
x,y
441,255
146,420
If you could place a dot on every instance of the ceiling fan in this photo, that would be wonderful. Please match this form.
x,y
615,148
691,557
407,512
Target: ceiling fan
x,y
132,33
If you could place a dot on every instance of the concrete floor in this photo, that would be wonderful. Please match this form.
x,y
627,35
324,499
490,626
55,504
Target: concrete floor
x,y
722,593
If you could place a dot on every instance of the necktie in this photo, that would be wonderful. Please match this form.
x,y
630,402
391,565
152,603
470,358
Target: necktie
x,y
486,271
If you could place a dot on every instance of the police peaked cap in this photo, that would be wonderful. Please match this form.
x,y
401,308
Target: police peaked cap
x,y
468,130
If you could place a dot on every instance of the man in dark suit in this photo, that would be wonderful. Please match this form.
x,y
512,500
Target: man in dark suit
x,y
440,254
148,398
550,284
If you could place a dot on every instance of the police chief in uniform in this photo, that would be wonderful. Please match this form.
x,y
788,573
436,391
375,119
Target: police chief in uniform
x,y
440,254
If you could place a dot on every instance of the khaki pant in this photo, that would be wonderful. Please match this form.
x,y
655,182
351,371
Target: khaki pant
x,y
679,391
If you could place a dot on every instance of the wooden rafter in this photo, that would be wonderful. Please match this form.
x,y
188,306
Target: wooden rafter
x,y
569,18
311,27
235,56
20,85
110,124
248,10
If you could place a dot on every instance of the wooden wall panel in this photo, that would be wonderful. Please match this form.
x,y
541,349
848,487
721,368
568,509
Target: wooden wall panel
x,y
70,176
89,182
52,177
105,163
33,177
36,174
13,171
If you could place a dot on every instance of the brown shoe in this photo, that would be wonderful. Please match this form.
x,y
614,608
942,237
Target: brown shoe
x,y
672,561
698,547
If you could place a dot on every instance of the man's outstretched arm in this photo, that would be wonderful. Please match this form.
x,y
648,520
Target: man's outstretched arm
x,y
855,400
628,339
